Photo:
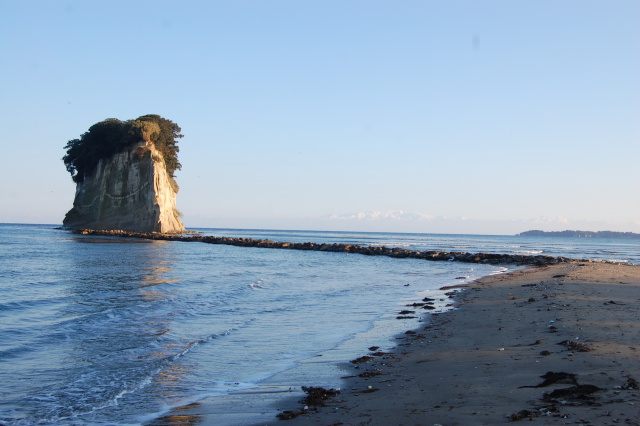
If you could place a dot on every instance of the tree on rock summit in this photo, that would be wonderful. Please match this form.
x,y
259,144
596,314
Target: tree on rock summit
x,y
111,136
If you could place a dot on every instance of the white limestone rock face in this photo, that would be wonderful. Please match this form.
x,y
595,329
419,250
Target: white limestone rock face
x,y
130,191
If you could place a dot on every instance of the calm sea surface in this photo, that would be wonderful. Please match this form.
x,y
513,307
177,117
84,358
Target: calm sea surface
x,y
99,330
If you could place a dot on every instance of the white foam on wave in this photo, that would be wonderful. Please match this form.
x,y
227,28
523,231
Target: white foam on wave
x,y
147,380
390,244
529,252
258,284
502,271
79,413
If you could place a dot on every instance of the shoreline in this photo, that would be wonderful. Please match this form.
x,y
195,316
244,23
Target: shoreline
x,y
487,361
484,362
404,378
281,392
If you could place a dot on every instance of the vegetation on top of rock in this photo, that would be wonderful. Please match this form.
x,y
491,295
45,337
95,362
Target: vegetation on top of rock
x,y
112,136
579,234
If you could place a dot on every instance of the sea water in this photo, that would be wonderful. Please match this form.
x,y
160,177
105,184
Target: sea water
x,y
102,330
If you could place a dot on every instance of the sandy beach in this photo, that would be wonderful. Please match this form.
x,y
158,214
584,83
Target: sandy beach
x,y
488,361
554,345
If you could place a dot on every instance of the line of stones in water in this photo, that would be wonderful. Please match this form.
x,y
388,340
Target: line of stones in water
x,y
487,258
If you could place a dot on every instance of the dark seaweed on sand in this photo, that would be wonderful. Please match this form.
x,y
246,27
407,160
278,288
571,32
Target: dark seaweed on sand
x,y
316,397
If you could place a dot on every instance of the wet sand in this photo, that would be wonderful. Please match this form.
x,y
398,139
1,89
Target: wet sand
x,y
488,362
484,362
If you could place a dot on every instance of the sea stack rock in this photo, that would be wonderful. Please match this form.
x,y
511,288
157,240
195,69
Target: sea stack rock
x,y
130,186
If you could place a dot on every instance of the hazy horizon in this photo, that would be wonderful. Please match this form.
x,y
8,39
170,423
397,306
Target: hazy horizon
x,y
355,231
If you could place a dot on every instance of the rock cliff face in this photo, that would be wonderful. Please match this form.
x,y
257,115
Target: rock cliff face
x,y
131,191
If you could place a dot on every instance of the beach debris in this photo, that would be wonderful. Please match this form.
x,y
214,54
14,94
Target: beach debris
x,y
317,396
374,348
551,378
369,374
575,346
405,317
428,299
547,410
545,353
631,384
362,359
289,414
537,342
405,312
523,414
577,392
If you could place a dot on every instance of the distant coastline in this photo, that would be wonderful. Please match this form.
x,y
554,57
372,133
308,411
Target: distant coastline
x,y
580,234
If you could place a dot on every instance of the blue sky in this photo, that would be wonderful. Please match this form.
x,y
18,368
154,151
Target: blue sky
x,y
484,117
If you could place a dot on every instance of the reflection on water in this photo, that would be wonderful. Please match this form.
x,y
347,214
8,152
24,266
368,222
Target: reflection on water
x,y
178,419
120,335
108,240
169,383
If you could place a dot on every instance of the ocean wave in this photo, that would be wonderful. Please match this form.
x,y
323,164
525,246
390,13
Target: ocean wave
x,y
391,244
258,284
529,252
